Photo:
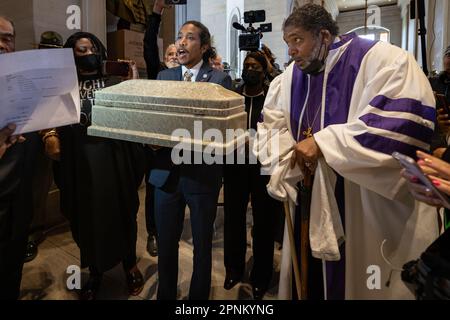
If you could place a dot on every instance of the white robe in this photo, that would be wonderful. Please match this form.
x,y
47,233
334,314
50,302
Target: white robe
x,y
378,205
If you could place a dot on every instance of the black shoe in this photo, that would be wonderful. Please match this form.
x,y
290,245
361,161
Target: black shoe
x,y
135,282
258,292
152,246
31,251
90,289
231,280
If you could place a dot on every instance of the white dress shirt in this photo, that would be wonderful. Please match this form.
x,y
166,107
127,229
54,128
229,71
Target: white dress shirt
x,y
194,70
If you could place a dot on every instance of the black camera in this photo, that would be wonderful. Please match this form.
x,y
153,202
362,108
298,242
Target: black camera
x,y
254,16
250,40
175,2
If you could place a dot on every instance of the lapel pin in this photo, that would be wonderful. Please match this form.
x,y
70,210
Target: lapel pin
x,y
205,76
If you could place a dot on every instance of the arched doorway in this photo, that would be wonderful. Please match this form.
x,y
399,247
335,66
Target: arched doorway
x,y
373,33
233,45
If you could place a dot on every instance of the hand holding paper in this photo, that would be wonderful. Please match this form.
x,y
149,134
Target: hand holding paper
x,y
38,89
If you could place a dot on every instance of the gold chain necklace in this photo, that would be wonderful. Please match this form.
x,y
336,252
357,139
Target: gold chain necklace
x,y
308,132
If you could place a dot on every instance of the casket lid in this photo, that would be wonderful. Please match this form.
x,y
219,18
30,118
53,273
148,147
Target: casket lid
x,y
170,93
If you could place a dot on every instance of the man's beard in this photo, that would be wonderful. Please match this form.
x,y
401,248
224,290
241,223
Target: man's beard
x,y
171,64
316,63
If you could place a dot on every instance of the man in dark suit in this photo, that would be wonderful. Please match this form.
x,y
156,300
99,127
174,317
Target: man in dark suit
x,y
16,169
194,185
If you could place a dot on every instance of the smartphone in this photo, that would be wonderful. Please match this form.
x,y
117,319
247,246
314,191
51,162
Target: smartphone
x,y
442,102
413,168
175,2
116,68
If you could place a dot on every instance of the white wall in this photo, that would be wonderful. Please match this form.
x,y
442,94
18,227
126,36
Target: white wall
x,y
276,13
214,16
217,15
437,33
390,19
194,10
33,17
191,11
93,14
50,15
447,24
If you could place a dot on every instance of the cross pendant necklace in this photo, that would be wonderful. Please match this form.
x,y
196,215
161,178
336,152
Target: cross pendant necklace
x,y
308,132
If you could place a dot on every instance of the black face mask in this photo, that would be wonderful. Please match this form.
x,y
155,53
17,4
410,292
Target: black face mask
x,y
89,63
252,77
316,64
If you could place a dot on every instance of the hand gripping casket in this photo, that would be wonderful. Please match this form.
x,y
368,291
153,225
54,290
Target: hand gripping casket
x,y
167,113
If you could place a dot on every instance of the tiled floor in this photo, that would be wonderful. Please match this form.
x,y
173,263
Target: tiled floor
x,y
45,277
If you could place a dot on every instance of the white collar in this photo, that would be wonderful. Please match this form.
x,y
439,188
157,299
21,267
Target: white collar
x,y
254,96
194,70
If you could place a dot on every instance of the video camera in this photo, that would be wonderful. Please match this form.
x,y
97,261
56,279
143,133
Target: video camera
x,y
175,2
250,40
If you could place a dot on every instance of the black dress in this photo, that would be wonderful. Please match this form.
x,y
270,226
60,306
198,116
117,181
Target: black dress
x,y
98,179
241,183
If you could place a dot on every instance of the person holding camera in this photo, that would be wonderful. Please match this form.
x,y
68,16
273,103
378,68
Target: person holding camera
x,y
273,69
243,182
99,179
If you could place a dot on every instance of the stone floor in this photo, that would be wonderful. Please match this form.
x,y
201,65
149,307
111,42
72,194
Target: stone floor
x,y
45,277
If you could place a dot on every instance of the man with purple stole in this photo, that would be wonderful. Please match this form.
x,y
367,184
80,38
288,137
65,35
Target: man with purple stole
x,y
340,111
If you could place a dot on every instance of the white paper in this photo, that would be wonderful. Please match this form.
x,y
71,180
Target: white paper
x,y
38,89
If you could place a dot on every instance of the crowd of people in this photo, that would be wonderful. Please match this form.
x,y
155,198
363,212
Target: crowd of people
x,y
341,108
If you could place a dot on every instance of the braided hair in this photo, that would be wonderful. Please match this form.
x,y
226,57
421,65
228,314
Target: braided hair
x,y
260,57
97,44
205,39
72,40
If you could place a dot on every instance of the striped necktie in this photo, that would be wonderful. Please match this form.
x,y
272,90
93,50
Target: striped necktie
x,y
188,76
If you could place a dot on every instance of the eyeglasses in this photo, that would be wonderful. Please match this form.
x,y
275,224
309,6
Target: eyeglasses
x,y
6,37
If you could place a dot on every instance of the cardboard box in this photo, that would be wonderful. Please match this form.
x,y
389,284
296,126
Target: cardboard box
x,y
127,44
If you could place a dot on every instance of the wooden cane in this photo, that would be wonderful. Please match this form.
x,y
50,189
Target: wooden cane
x,y
304,240
287,212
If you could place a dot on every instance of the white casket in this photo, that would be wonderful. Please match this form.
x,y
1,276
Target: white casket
x,y
167,113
